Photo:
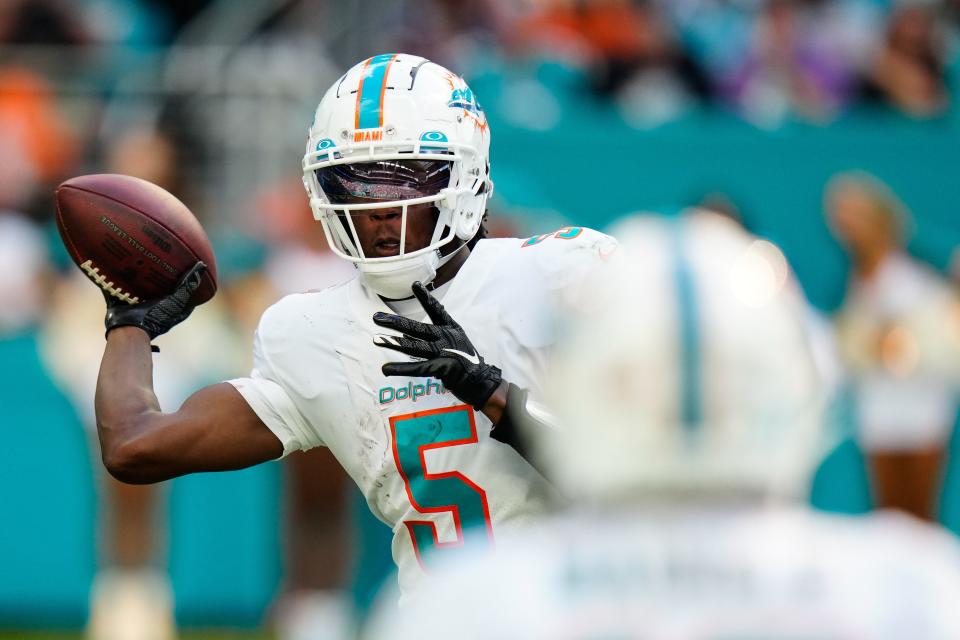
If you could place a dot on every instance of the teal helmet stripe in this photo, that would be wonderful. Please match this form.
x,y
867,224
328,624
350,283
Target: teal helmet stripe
x,y
691,401
371,90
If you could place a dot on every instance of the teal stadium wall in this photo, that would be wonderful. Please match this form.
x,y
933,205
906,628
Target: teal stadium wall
x,y
224,547
587,167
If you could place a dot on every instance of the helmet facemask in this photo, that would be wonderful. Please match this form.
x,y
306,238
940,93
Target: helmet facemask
x,y
382,190
408,184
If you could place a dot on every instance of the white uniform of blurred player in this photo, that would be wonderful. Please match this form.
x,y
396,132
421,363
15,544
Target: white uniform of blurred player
x,y
690,413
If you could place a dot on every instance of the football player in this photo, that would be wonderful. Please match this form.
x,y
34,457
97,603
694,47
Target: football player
x,y
403,372
690,414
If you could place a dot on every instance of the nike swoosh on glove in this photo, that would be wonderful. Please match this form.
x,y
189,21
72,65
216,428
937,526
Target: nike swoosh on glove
x,y
156,317
447,352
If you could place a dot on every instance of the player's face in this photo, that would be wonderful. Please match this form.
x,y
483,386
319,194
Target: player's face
x,y
383,183
379,229
856,221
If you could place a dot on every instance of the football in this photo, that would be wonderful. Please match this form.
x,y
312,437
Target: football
x,y
134,239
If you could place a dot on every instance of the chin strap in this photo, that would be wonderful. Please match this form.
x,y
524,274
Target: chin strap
x,y
431,286
445,259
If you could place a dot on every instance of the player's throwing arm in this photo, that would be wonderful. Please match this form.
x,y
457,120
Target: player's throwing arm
x,y
151,259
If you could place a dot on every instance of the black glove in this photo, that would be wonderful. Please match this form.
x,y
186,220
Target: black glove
x,y
156,317
449,354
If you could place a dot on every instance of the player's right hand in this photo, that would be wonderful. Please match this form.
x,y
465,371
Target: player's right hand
x,y
156,317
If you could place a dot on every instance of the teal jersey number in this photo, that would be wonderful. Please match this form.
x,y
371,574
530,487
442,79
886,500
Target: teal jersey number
x,y
414,434
567,233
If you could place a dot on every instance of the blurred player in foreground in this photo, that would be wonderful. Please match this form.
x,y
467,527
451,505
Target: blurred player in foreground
x,y
690,418
397,173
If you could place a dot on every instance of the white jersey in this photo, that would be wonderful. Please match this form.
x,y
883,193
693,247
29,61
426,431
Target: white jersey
x,y
424,460
697,576
898,334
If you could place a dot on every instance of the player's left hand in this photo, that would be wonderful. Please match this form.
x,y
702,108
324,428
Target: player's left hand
x,y
447,352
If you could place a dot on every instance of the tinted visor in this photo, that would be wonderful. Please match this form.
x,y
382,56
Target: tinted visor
x,y
385,180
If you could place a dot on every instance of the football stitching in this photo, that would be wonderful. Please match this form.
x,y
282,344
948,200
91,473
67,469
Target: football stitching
x,y
101,280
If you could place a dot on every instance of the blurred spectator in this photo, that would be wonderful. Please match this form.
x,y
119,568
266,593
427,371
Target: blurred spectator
x,y
951,11
631,53
131,23
24,274
900,338
34,22
147,154
552,28
449,32
715,32
35,34
76,23
908,73
38,146
43,464
131,597
660,81
790,69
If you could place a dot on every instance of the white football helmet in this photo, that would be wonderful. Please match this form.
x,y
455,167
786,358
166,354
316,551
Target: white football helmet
x,y
687,369
395,131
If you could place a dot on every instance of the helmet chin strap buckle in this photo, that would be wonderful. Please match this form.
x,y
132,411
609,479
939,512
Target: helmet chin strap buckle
x,y
449,198
441,260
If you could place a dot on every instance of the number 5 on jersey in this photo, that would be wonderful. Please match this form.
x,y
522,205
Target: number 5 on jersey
x,y
448,492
